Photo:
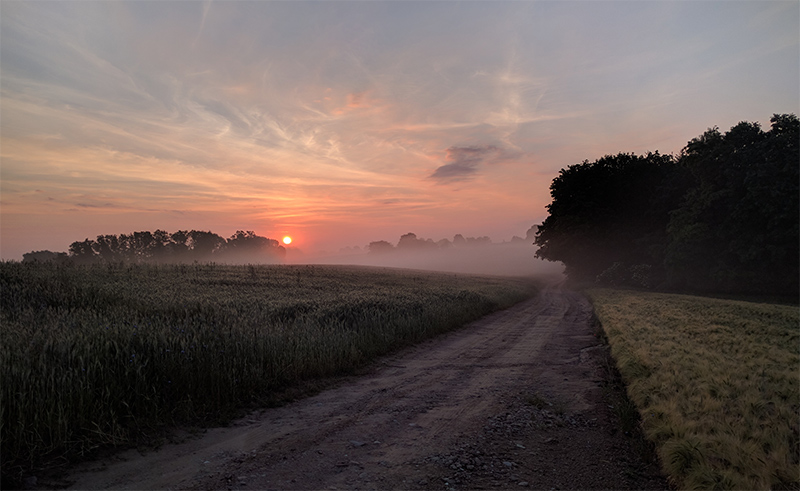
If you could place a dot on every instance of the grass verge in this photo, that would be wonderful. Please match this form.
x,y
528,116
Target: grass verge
x,y
715,382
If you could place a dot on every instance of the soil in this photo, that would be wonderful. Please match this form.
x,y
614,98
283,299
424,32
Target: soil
x,y
523,398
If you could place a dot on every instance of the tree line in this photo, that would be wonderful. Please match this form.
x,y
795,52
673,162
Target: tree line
x,y
411,243
722,216
164,247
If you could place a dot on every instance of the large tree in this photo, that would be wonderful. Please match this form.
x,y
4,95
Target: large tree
x,y
249,247
724,216
612,210
737,229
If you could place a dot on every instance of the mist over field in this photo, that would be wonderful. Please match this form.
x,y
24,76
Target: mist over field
x,y
505,259
470,255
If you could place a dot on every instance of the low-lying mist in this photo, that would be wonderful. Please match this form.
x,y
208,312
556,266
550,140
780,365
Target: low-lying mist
x,y
504,259
468,255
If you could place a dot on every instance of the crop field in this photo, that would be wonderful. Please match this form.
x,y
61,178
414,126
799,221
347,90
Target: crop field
x,y
99,355
716,382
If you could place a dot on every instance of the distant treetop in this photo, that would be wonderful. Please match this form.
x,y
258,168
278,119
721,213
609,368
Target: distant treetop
x,y
164,247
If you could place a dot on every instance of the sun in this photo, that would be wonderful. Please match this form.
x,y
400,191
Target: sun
x,y
287,240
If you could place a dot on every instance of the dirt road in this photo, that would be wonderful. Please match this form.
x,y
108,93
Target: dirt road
x,y
517,399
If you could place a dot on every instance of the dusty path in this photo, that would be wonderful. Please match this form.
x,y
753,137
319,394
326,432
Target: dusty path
x,y
513,400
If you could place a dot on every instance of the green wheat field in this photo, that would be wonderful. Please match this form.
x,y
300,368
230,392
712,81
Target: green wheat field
x,y
100,355
716,382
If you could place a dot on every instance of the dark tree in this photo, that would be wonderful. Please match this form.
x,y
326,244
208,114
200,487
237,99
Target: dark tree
x,y
203,245
160,249
126,247
724,216
737,230
142,246
410,242
107,248
249,247
44,257
82,252
613,210
179,248
380,247
161,246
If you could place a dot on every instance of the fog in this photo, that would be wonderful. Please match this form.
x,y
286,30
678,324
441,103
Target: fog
x,y
468,255
504,259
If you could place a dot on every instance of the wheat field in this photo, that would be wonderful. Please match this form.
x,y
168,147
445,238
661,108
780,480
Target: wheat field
x,y
100,355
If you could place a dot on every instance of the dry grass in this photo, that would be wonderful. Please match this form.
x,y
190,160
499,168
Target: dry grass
x,y
101,355
717,383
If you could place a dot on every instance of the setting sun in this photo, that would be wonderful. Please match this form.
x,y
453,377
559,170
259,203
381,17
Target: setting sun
x,y
287,240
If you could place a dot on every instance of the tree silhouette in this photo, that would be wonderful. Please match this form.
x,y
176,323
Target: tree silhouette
x,y
249,247
615,209
203,245
44,257
738,227
380,247
82,252
723,216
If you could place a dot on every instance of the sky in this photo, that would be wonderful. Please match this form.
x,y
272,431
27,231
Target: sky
x,y
341,123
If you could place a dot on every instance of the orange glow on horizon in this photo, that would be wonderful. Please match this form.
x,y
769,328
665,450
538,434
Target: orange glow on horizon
x,y
410,133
